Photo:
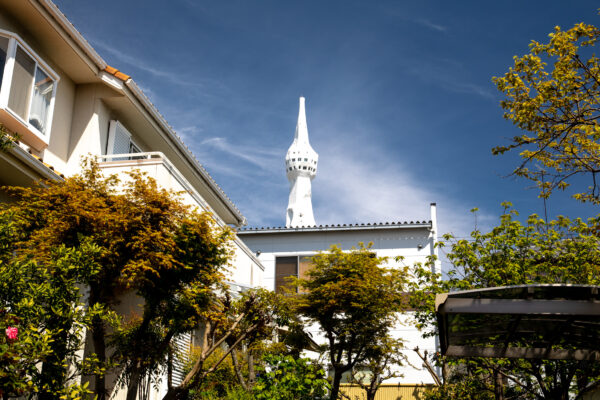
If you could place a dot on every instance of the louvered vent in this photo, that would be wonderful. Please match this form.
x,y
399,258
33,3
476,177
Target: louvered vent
x,y
183,347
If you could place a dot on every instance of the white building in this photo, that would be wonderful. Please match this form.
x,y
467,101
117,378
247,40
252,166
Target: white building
x,y
65,102
286,251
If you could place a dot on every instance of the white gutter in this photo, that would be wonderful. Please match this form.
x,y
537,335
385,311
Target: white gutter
x,y
36,165
73,33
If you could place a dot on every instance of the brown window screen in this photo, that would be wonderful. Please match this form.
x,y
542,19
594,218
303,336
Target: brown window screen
x,y
284,267
304,266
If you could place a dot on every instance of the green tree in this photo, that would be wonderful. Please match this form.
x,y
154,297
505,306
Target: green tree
x,y
354,298
553,94
284,377
251,318
42,305
513,253
144,241
382,355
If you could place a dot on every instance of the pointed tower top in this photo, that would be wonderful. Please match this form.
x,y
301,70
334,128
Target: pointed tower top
x,y
301,128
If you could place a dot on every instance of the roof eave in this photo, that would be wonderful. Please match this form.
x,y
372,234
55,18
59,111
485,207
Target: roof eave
x,y
89,51
326,228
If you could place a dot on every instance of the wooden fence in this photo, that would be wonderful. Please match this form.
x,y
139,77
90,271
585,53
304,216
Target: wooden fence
x,y
387,392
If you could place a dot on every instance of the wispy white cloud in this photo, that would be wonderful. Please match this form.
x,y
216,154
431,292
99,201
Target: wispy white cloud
x,y
262,157
364,185
431,25
146,66
448,75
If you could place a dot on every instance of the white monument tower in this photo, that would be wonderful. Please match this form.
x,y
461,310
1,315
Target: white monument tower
x,y
301,166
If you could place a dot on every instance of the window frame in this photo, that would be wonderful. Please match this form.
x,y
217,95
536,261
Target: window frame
x,y
14,41
298,274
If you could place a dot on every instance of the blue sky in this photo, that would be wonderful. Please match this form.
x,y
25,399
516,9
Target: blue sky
x,y
400,104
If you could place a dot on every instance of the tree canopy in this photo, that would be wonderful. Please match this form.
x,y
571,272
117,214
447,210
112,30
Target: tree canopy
x,y
112,238
516,253
553,94
354,298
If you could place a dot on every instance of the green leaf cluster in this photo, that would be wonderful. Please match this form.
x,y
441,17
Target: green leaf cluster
x,y
354,297
285,377
115,239
515,253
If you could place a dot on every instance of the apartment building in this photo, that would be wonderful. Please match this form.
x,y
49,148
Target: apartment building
x,y
65,103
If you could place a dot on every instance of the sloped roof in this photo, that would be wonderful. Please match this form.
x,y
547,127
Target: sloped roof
x,y
138,94
338,227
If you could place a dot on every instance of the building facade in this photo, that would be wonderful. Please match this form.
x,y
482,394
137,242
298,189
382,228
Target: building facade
x,y
287,251
64,102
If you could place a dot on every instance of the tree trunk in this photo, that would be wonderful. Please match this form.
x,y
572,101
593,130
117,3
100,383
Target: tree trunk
x,y
373,387
498,385
251,372
335,386
238,369
54,373
137,353
134,382
99,344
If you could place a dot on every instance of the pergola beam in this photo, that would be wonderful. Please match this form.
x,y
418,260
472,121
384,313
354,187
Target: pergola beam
x,y
520,307
559,322
520,352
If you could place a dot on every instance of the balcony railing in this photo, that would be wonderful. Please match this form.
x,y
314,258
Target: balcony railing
x,y
154,164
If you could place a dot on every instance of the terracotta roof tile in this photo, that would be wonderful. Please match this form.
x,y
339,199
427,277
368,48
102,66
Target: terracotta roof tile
x,y
111,70
122,76
116,73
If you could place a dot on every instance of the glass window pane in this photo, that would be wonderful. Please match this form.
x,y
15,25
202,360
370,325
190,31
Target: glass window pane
x,y
22,80
3,50
40,102
284,267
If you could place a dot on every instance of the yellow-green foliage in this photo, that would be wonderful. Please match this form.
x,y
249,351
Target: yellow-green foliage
x,y
562,251
116,237
553,94
354,298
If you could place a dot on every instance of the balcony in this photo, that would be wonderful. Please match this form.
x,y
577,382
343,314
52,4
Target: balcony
x,y
155,165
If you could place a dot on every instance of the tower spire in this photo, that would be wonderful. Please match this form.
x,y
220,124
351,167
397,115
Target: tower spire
x,y
301,127
301,168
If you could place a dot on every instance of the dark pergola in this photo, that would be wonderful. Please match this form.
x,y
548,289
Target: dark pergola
x,y
557,322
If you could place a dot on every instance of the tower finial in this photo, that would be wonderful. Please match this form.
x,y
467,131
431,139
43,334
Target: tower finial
x,y
301,127
301,167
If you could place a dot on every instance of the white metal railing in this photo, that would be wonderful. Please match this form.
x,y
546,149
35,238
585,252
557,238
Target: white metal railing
x,y
159,156
132,156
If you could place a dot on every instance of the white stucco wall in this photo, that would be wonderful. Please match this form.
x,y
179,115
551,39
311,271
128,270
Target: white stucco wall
x,y
412,243
245,270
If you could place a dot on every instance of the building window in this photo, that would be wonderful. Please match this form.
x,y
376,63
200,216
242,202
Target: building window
x,y
27,85
120,142
285,267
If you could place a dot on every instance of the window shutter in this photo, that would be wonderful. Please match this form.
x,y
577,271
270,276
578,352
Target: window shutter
x,y
119,139
183,347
